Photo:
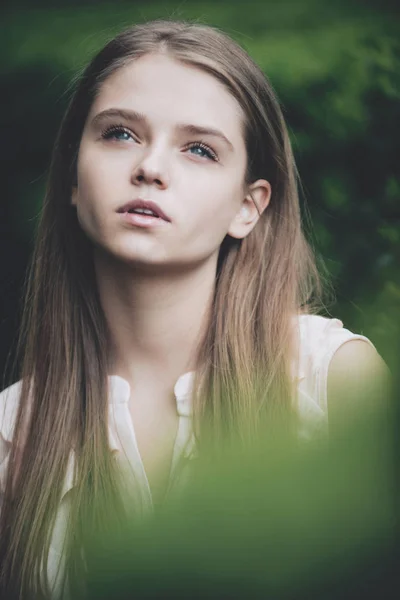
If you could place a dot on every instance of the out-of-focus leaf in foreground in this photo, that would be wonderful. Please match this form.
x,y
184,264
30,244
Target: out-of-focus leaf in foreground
x,y
315,520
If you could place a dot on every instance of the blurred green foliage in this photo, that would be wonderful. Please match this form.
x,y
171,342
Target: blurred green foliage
x,y
335,67
281,520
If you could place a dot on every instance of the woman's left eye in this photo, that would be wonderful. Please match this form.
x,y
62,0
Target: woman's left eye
x,y
204,148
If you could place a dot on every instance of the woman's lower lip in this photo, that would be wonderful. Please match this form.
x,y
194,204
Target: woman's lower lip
x,y
142,220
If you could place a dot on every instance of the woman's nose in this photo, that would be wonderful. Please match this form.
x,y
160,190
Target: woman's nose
x,y
151,170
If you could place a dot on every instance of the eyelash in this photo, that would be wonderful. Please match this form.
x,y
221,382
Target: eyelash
x,y
106,134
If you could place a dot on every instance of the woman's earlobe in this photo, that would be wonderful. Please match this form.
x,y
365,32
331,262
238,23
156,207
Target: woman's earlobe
x,y
242,222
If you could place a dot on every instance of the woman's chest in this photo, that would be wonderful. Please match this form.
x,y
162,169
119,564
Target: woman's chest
x,y
155,431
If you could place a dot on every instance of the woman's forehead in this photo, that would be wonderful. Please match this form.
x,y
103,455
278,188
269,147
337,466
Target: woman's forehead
x,y
163,89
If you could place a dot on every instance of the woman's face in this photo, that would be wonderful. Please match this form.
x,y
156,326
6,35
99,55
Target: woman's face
x,y
137,144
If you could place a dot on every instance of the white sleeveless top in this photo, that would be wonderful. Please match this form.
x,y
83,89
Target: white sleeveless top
x,y
319,339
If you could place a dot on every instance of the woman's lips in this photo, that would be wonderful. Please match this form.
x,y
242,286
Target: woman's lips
x,y
139,203
142,220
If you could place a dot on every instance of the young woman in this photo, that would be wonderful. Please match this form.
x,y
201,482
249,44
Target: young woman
x,y
170,299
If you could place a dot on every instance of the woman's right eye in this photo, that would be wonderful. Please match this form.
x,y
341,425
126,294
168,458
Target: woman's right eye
x,y
115,132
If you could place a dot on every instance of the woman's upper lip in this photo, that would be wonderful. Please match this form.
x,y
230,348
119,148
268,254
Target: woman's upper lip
x,y
139,203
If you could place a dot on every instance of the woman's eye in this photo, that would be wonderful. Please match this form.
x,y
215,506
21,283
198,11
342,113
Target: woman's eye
x,y
118,133
204,149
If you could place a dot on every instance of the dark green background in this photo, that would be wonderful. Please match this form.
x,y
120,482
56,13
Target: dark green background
x,y
316,528
335,67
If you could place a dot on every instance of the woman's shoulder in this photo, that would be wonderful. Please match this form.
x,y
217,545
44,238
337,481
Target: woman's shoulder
x,y
321,336
320,339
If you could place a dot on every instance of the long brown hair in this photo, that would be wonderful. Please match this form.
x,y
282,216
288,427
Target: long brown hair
x,y
244,358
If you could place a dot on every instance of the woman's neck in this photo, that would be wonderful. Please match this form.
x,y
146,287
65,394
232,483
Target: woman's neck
x,y
156,320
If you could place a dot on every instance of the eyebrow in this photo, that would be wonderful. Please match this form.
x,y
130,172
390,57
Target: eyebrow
x,y
133,115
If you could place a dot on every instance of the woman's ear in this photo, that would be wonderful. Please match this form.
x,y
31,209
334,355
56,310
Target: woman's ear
x,y
258,197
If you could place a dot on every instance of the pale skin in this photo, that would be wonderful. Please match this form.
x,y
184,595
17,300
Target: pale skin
x,y
156,284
